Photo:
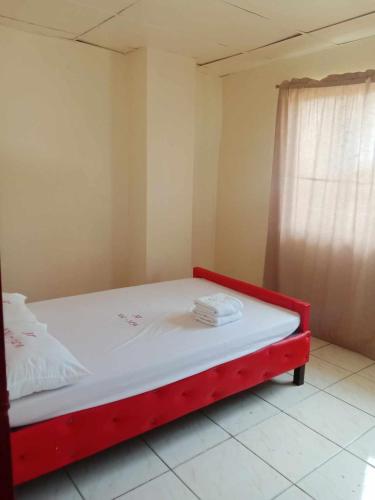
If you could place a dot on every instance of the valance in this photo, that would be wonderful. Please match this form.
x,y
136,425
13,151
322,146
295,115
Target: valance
x,y
331,80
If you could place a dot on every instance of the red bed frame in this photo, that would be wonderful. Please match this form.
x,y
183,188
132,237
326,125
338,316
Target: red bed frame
x,y
46,446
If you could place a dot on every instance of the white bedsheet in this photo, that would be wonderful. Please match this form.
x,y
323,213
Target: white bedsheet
x,y
139,338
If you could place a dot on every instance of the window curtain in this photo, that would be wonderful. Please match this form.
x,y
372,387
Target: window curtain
x,y
321,237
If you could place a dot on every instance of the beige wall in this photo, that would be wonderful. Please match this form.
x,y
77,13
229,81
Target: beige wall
x,y
104,160
208,120
61,165
135,143
249,108
170,135
174,117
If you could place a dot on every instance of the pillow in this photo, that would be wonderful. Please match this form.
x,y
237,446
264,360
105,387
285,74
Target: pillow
x,y
17,311
36,361
13,298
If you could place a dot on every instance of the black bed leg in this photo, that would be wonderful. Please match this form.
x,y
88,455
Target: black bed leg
x,y
299,375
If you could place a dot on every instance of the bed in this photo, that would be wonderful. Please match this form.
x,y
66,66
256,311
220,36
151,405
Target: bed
x,y
150,362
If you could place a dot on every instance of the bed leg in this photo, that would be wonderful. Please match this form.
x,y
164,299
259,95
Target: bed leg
x,y
299,375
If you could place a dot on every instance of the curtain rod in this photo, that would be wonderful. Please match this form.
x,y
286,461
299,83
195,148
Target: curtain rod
x,y
329,81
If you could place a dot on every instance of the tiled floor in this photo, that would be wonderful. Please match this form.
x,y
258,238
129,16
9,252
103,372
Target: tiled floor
x,y
277,441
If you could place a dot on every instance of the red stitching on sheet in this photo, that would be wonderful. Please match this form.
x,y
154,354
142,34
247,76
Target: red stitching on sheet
x,y
129,318
10,338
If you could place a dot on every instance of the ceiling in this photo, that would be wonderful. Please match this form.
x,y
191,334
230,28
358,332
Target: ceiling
x,y
223,35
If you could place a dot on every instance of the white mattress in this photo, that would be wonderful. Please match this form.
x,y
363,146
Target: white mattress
x,y
139,338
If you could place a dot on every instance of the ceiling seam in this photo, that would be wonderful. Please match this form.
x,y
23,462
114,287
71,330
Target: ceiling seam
x,y
106,48
245,10
76,37
341,22
37,25
106,20
295,35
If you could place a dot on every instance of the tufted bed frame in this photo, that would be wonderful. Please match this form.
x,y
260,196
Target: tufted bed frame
x,y
31,451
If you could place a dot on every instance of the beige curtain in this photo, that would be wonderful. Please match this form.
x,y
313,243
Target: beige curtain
x,y
321,240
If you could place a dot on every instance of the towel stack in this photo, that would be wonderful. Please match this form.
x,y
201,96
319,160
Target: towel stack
x,y
218,309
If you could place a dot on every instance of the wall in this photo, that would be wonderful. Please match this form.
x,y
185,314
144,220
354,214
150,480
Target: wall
x,y
62,172
249,109
170,159
108,166
174,120
208,118
135,143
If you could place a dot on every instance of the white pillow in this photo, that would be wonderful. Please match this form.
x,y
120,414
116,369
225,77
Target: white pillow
x,y
14,312
13,298
36,361
15,309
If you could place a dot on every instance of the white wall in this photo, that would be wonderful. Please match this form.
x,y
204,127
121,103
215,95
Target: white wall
x,y
135,143
104,158
170,160
249,111
208,120
62,168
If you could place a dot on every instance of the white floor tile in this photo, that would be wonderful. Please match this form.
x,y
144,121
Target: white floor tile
x,y
356,390
56,486
317,343
184,438
116,471
368,373
293,493
344,477
165,487
331,417
344,358
322,374
288,445
364,447
240,412
282,393
230,471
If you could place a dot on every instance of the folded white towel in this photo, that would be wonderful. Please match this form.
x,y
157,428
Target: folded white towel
x,y
209,312
217,321
219,304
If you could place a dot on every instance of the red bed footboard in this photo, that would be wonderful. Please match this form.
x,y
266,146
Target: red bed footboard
x,y
275,298
46,446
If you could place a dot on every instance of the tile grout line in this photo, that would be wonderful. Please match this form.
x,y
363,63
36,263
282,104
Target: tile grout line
x,y
284,491
341,448
345,378
139,485
172,470
251,451
232,434
325,437
198,454
338,366
303,399
74,483
280,411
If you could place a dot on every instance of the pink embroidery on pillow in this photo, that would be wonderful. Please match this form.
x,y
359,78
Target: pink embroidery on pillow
x,y
29,334
11,338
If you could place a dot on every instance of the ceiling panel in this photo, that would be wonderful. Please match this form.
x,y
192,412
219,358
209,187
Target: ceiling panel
x,y
294,47
307,15
124,32
112,6
203,29
211,20
34,28
56,14
356,29
206,30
